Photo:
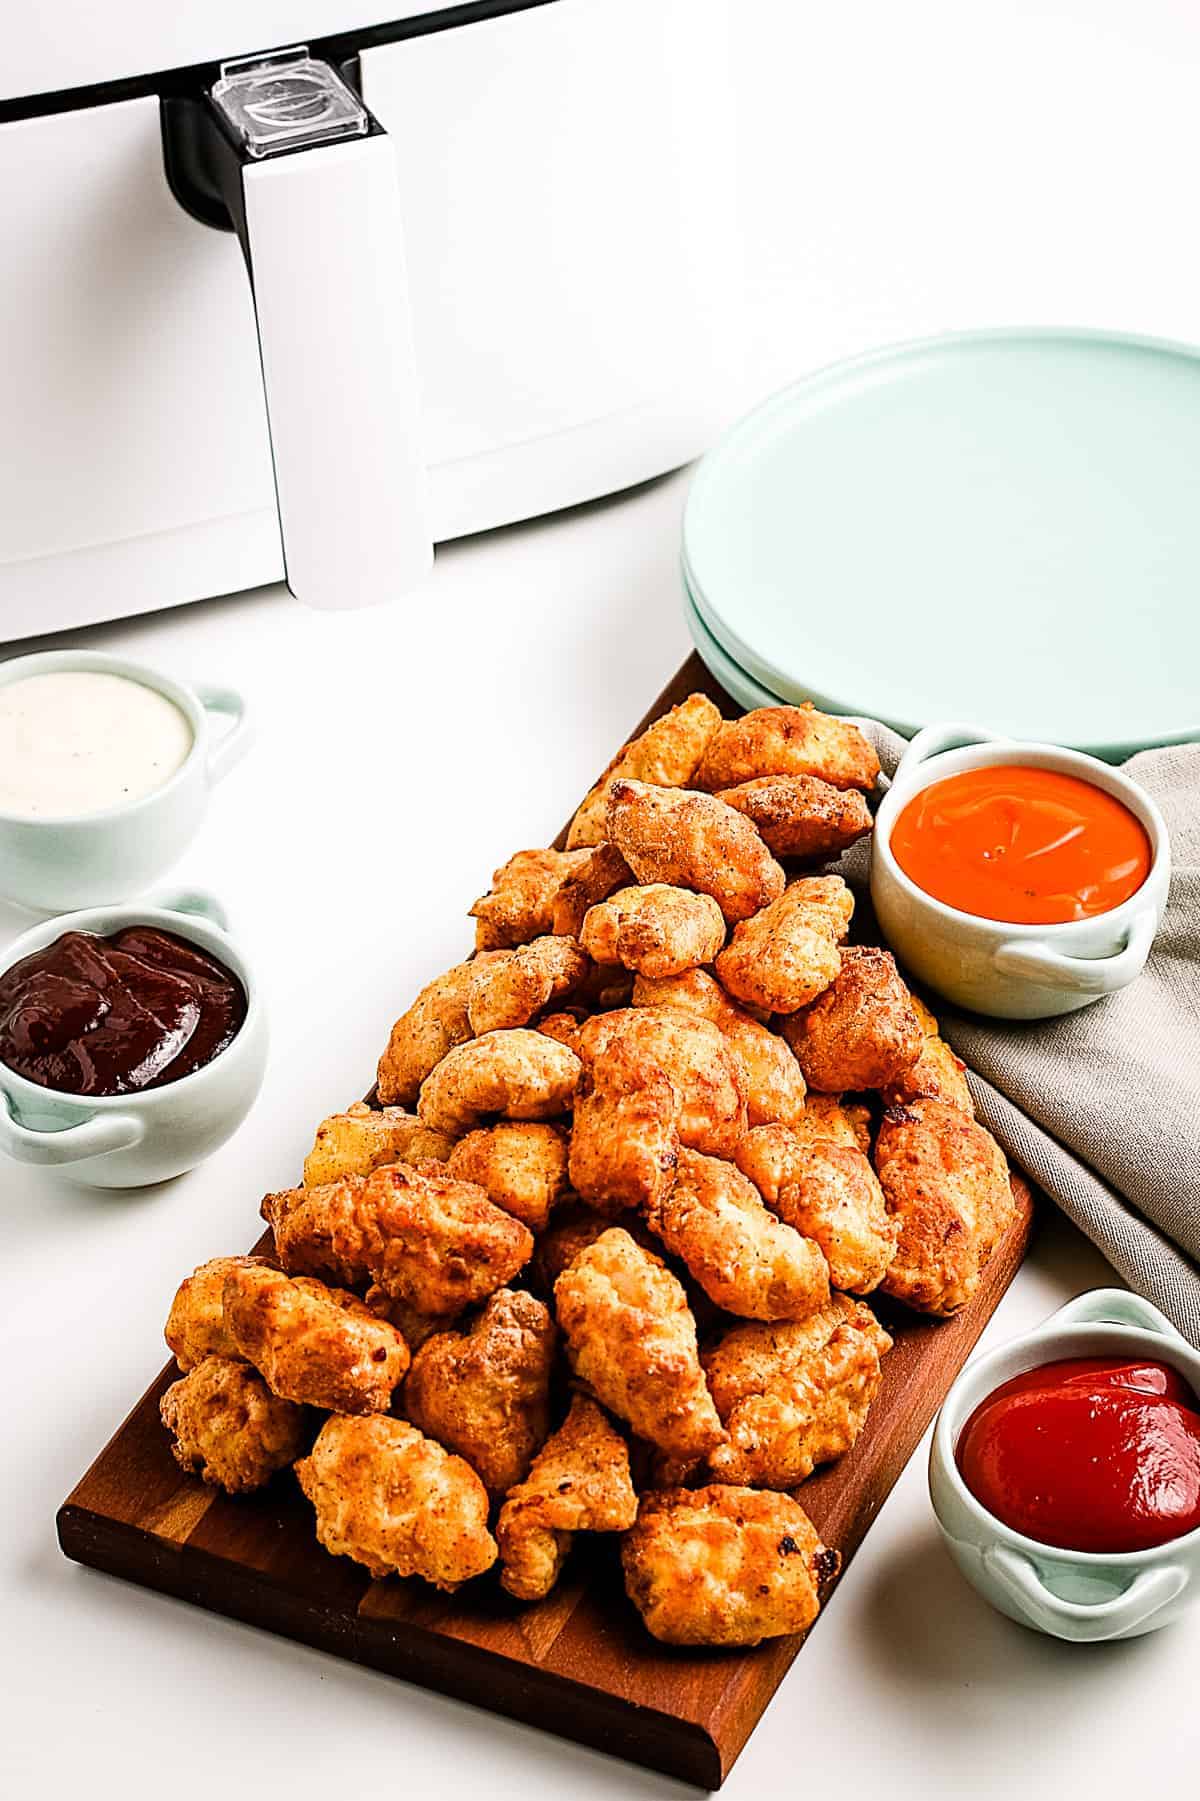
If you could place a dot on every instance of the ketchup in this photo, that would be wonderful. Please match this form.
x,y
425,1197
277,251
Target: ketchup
x,y
1089,1454
90,1015
1029,846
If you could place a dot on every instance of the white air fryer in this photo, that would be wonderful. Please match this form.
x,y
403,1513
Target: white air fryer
x,y
302,311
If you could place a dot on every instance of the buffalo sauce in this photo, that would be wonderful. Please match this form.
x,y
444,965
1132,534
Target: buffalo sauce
x,y
1088,1454
1028,846
102,1016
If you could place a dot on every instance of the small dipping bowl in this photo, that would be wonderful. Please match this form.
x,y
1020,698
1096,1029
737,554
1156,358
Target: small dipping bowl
x,y
992,966
54,864
131,1140
1084,1596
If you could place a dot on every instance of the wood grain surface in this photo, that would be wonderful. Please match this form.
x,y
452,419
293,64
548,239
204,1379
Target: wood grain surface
x,y
579,1663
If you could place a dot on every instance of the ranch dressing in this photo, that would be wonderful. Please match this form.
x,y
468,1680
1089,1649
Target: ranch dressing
x,y
81,741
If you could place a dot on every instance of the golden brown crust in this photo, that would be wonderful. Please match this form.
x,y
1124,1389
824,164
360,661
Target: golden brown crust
x,y
783,958
800,815
420,1038
773,1083
510,987
861,1031
693,841
630,1335
393,1500
597,875
318,1346
667,754
517,1075
829,1192
706,1075
228,1427
413,1327
833,1116
657,930
196,1326
724,1566
572,1229
579,1482
936,1075
522,1165
520,903
788,741
364,1138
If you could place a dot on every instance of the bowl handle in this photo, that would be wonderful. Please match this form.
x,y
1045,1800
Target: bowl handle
x,y
233,745
90,1138
1082,975
1086,1621
932,740
1113,1307
191,900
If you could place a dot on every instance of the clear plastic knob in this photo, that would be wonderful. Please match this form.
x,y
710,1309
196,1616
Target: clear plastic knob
x,y
286,101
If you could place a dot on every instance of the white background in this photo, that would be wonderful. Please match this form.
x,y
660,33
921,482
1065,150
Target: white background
x,y
903,168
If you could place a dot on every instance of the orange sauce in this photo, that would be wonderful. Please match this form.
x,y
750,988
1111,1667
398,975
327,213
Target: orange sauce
x,y
1029,846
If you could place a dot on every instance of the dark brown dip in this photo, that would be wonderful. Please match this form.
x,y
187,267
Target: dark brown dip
x,y
91,1015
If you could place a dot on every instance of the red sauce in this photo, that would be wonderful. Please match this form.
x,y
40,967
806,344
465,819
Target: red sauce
x,y
90,1015
1090,1454
1029,846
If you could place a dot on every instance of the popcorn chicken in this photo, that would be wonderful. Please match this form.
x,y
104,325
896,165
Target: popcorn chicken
x,y
485,1393
318,1346
630,1336
579,1482
829,1192
693,1055
521,1164
801,816
520,904
420,1038
507,989
228,1427
833,1116
773,1083
196,1326
563,1027
788,741
518,1074
744,1259
693,841
393,1500
724,1566
364,1138
667,755
787,954
861,1031
414,1327
594,878
656,930
937,1073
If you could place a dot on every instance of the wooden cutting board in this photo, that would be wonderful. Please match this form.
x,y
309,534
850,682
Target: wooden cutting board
x,y
579,1663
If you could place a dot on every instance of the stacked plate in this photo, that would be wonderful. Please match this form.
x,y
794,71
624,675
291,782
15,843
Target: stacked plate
x,y
1000,527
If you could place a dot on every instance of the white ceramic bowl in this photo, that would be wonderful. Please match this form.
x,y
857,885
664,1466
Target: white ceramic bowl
x,y
1085,1596
86,860
989,965
130,1140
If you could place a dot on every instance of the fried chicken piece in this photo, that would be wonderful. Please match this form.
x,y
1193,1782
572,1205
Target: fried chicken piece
x,y
656,930
593,879
520,903
667,754
625,1136
693,841
436,1243
800,815
521,1164
829,1192
420,1038
773,1082
937,1073
579,1482
196,1326
518,1074
788,954
795,1395
485,1393
947,1182
788,741
833,1116
724,1566
319,1346
573,1228
508,988
746,1260
563,1027
861,1031
696,1059
395,1501
413,1327
228,1427
364,1138
631,1337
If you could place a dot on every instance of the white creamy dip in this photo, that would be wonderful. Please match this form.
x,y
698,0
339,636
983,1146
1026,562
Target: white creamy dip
x,y
81,741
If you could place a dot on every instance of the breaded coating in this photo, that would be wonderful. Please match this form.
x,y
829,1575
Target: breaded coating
x,y
520,903
862,1030
705,1073
579,1482
521,1164
833,1116
228,1427
773,1082
937,1073
420,1038
507,989
656,930
693,841
829,1192
947,1182
667,754
572,1230
319,1346
625,1135
196,1326
518,1075
795,1395
436,1243
364,1138
746,1260
800,815
631,1337
786,956
597,875
563,1027
413,1327
724,1566
393,1500
788,741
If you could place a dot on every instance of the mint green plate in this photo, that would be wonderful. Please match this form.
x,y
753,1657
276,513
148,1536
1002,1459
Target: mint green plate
x,y
1002,527
732,677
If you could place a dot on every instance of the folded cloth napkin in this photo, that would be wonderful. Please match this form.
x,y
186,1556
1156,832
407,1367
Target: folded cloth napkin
x,y
1101,1108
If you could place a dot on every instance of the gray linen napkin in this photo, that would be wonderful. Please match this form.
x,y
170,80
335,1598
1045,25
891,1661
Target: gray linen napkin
x,y
1102,1107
